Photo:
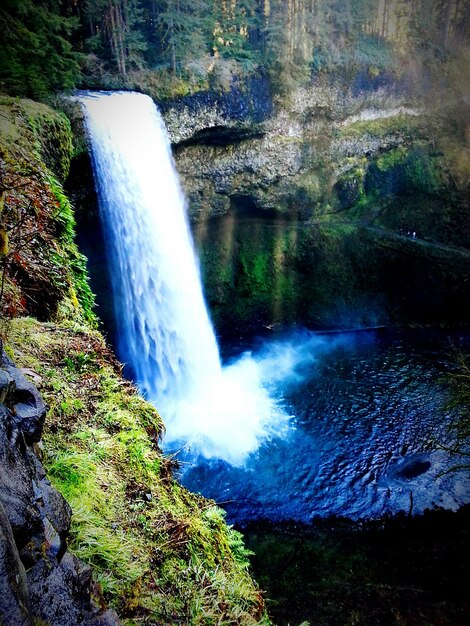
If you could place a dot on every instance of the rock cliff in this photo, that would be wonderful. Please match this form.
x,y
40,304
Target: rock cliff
x,y
303,215
289,159
39,578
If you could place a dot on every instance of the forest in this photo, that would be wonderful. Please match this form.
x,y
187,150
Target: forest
x,y
174,47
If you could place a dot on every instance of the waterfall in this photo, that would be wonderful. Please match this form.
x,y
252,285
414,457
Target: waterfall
x,y
164,330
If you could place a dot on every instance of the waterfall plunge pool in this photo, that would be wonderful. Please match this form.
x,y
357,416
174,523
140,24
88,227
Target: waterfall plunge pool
x,y
329,508
370,416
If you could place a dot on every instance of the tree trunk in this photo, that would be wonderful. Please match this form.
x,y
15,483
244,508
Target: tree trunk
x,y
446,25
121,39
173,48
455,21
117,37
315,20
112,35
463,25
290,27
385,18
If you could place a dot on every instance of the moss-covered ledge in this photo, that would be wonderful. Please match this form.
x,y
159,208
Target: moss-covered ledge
x,y
160,553
43,274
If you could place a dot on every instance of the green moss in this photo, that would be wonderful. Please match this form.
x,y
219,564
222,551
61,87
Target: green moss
x,y
218,263
308,191
425,172
28,127
349,188
406,171
418,168
255,267
97,537
160,553
409,127
332,273
405,188
248,271
69,256
391,159
47,274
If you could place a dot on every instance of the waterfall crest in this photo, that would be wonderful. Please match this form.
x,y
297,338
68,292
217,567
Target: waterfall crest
x,y
164,330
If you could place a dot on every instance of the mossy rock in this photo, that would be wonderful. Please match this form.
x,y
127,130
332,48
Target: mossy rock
x,y
46,274
349,188
330,275
405,171
31,129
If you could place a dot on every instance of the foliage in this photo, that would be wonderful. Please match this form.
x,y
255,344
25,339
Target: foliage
x,y
364,53
458,435
69,255
42,268
183,31
160,553
36,55
118,43
408,127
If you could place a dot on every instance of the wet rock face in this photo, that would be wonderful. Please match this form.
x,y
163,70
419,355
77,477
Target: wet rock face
x,y
273,273
241,108
29,411
13,586
38,577
297,159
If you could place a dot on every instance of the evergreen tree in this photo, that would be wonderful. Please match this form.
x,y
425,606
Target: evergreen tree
x,y
422,22
44,40
364,17
183,31
114,32
36,55
289,42
235,25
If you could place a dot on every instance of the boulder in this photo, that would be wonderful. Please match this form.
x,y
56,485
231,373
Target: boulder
x,y
29,410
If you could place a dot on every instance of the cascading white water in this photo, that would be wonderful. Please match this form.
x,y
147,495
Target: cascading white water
x,y
164,330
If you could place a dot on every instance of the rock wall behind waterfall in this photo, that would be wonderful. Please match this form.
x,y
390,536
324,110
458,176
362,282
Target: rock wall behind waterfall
x,y
307,219
331,150
301,210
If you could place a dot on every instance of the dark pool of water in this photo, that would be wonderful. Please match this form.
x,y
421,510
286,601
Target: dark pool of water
x,y
369,416
390,572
